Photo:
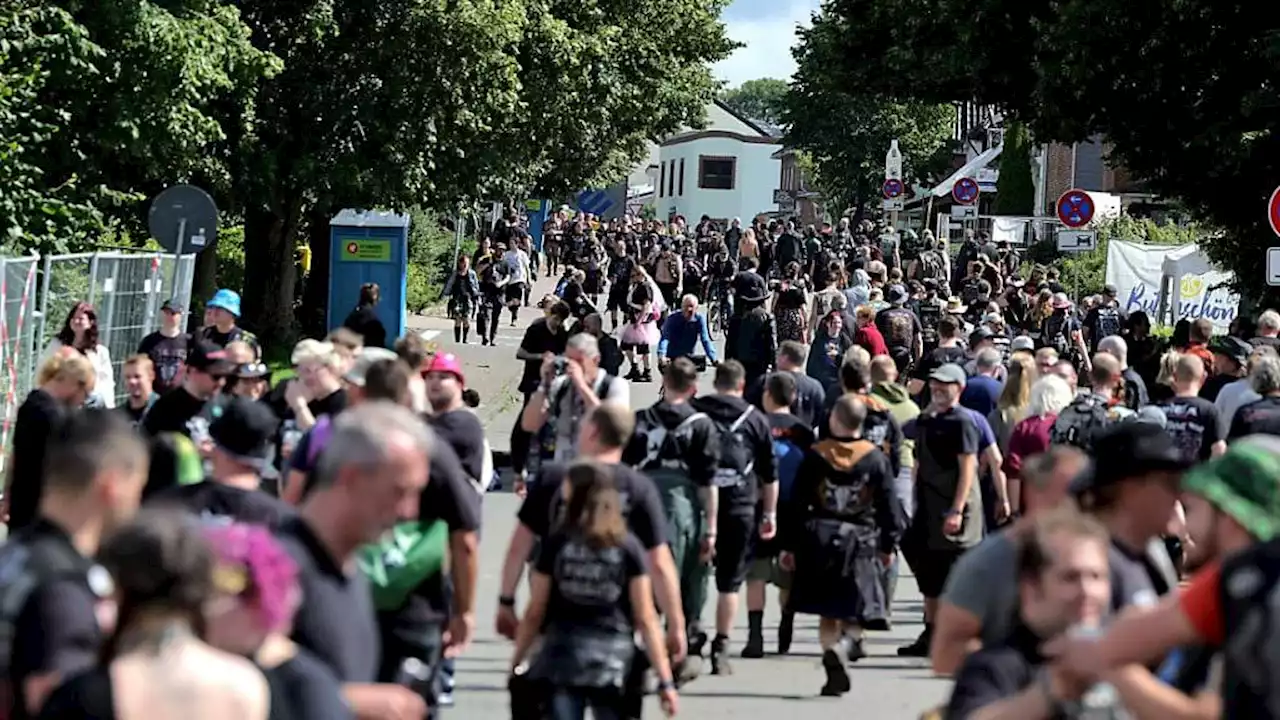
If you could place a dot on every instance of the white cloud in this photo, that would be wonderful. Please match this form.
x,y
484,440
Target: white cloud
x,y
767,43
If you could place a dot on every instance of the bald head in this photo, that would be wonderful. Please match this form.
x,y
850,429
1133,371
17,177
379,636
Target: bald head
x,y
1115,346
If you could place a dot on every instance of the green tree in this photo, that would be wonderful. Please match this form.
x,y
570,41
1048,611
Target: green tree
x,y
761,99
417,102
1197,124
1015,191
847,132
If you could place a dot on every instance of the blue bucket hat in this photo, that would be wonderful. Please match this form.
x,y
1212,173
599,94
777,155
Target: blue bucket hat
x,y
228,300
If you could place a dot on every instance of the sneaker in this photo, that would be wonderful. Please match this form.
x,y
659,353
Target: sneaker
x,y
720,657
837,676
786,627
754,649
917,649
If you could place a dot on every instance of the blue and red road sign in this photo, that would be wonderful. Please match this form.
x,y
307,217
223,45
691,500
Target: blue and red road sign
x,y
1076,208
1273,211
893,188
965,191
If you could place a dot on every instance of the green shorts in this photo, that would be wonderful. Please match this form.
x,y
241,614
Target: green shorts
x,y
770,571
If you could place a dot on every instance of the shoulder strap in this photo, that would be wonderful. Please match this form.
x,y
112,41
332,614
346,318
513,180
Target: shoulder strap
x,y
320,433
689,421
741,419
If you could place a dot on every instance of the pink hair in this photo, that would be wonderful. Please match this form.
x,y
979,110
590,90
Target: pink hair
x,y
272,587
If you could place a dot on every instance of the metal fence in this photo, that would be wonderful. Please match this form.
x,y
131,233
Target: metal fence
x,y
1018,230
17,337
126,289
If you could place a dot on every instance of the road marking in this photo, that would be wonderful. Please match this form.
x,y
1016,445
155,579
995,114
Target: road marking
x,y
428,334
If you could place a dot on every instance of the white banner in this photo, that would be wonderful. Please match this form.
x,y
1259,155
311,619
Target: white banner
x,y
1136,271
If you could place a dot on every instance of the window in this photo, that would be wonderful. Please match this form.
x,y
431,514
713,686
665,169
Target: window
x,y
681,185
671,180
716,173
662,176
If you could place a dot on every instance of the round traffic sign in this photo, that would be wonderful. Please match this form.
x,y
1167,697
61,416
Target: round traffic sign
x,y
172,207
1273,211
893,188
965,191
1076,208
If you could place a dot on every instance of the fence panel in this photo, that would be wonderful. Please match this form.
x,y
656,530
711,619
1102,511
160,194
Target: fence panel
x,y
17,337
126,290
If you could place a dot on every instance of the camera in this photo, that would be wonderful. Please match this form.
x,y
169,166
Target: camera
x,y
559,366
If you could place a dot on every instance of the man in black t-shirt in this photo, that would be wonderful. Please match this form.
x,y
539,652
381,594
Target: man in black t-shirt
x,y
453,421
1192,421
603,433
179,410
545,337
167,348
97,467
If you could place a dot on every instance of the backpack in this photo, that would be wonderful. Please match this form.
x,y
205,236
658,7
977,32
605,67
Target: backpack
x,y
1107,323
23,569
1079,422
901,329
410,554
930,315
544,441
1055,335
663,453
737,461
931,266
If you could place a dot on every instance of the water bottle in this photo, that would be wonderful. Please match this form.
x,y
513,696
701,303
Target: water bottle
x,y
415,675
1101,699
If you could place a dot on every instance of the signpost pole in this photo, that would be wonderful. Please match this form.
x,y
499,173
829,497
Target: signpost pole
x,y
177,256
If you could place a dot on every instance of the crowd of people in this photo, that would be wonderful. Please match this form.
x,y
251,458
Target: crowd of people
x,y
1089,511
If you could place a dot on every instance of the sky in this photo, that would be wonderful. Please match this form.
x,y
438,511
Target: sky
x,y
767,28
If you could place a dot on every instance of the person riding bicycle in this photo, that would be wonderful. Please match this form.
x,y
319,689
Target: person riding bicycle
x,y
682,332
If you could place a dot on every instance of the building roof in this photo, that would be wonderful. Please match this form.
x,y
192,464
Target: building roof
x,y
753,124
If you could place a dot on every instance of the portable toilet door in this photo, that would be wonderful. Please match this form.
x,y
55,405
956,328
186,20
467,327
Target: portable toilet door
x,y
369,246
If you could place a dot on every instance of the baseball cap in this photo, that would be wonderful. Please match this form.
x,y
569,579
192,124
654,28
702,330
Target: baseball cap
x,y
447,363
252,370
898,295
1244,483
246,430
979,334
1022,342
1231,347
210,358
1110,291
1132,449
950,373
170,305
366,359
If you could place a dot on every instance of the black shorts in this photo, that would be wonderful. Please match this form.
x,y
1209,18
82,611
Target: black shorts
x,y
669,291
515,292
734,540
641,349
617,297
930,566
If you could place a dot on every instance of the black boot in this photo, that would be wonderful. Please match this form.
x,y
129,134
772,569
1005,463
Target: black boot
x,y
837,676
919,648
720,656
465,332
786,627
457,333
856,651
754,649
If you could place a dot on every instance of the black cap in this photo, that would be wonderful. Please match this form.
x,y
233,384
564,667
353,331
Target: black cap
x,y
980,333
1231,347
252,370
751,288
1131,449
208,357
170,305
246,430
1110,291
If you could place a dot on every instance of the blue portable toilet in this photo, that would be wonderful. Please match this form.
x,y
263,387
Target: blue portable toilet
x,y
537,212
369,246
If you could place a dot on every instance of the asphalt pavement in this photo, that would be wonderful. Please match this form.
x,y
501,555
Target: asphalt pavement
x,y
885,687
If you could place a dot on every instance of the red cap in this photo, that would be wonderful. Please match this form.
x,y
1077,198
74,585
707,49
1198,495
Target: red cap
x,y
447,363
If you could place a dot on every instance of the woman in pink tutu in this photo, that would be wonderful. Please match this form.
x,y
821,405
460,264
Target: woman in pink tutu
x,y
646,306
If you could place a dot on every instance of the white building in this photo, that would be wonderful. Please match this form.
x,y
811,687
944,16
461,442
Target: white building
x,y
725,170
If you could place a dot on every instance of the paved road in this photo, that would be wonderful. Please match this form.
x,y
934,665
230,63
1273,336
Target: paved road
x,y
885,687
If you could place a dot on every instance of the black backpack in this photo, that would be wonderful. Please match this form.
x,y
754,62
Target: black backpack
x,y
1056,336
737,461
1107,323
1080,422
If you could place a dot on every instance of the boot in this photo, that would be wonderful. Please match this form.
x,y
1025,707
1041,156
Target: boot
x,y
786,627
856,651
919,648
754,649
837,676
720,656
457,333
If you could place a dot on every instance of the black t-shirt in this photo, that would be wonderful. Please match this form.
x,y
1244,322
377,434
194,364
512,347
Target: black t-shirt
x,y
899,326
756,441
953,355
214,502
539,339
641,505
37,420
590,587
168,354
172,413
1193,423
995,673
336,620
1261,417
57,630
462,430
811,397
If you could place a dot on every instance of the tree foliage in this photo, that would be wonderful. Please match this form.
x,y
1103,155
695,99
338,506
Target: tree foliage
x,y
761,99
847,131
1015,190
1199,124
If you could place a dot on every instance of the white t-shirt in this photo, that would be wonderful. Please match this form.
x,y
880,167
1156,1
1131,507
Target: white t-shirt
x,y
517,266
104,388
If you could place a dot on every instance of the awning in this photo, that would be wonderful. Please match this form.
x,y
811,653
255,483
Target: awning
x,y
970,168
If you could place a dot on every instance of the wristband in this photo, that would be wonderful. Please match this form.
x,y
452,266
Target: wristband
x,y
771,517
665,685
506,601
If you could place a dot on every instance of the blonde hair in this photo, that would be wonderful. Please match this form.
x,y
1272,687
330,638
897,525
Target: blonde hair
x,y
858,354
864,313
67,364
240,352
1016,394
1049,395
314,351
1168,366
